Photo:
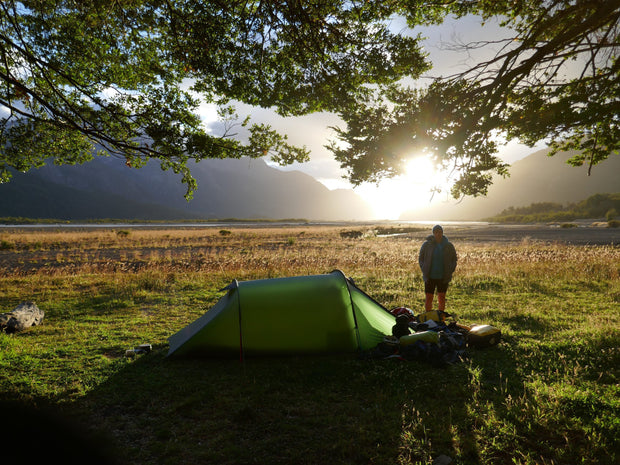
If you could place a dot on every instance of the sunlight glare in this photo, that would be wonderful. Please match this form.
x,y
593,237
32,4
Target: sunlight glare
x,y
392,197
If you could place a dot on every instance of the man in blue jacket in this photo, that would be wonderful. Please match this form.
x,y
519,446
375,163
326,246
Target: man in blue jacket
x,y
437,261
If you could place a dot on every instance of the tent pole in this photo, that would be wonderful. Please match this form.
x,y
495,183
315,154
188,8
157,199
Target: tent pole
x,y
357,329
241,351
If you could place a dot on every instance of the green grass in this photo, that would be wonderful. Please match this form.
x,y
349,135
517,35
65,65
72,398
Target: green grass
x,y
548,394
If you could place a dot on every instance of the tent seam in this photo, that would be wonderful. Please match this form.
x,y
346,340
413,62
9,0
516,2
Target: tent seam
x,y
357,329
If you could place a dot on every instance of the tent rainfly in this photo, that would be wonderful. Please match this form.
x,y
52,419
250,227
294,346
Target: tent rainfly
x,y
297,315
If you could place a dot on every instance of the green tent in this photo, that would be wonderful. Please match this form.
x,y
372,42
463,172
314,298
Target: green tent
x,y
297,315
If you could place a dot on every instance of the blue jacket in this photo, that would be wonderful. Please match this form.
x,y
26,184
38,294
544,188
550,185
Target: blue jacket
x,y
425,258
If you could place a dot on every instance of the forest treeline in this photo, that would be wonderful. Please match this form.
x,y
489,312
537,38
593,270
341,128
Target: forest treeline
x,y
597,206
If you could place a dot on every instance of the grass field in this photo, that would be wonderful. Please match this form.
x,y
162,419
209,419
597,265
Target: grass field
x,y
548,394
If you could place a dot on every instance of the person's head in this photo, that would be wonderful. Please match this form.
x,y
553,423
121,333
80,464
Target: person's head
x,y
438,233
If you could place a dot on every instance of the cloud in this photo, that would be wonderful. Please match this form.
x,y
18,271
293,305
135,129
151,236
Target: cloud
x,y
311,131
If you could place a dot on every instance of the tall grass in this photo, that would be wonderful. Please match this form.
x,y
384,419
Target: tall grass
x,y
547,394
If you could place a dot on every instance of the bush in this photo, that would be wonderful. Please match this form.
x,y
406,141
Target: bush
x,y
6,245
355,234
593,207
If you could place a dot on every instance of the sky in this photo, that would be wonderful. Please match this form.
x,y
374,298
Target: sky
x,y
390,197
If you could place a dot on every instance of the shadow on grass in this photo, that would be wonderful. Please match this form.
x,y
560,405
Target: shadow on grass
x,y
537,326
34,433
341,409
302,410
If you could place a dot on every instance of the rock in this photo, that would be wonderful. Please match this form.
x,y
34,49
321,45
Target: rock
x,y
23,316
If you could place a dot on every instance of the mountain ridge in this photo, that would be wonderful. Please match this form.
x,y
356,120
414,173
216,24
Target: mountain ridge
x,y
535,178
106,188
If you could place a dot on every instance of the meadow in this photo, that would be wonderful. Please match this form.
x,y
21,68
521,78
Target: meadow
x,y
548,394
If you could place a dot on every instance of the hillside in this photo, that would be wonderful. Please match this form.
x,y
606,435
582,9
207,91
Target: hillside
x,y
596,206
106,188
535,178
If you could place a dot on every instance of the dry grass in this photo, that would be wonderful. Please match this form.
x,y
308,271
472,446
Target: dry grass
x,y
388,264
247,252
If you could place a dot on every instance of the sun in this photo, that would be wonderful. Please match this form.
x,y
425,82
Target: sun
x,y
409,191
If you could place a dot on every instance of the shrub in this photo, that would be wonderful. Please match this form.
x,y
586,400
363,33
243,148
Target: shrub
x,y
6,245
355,234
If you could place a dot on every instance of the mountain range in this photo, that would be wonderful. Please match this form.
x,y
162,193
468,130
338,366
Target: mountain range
x,y
228,188
106,188
533,179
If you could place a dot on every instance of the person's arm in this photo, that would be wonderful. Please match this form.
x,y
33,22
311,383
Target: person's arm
x,y
421,258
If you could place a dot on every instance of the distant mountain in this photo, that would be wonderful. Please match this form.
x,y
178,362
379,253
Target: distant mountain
x,y
535,178
107,188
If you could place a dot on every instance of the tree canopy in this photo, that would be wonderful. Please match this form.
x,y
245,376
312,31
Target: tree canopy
x,y
94,77
555,79
97,77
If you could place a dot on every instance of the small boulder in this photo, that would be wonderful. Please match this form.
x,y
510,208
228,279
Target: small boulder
x,y
23,316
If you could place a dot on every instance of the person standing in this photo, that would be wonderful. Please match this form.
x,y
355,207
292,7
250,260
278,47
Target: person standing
x,y
437,261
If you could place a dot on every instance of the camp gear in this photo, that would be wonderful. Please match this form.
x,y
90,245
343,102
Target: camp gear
x,y
386,348
425,336
297,315
403,311
424,352
451,340
441,346
434,315
391,340
428,324
141,349
483,336
461,327
401,328
144,348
